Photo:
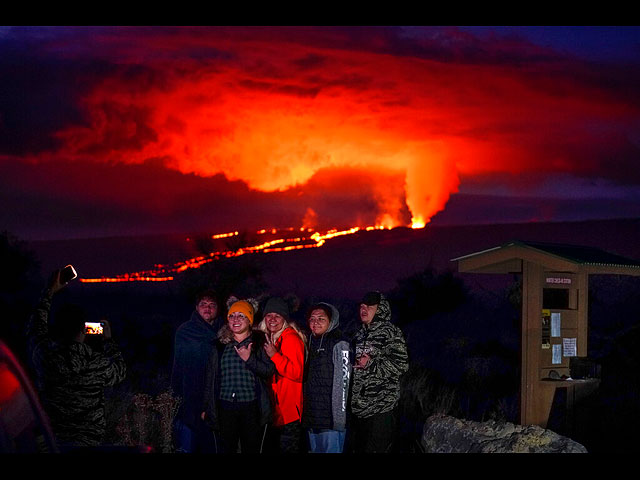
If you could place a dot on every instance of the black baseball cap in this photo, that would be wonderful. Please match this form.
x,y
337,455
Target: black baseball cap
x,y
371,298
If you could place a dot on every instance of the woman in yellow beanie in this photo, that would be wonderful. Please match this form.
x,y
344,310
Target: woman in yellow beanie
x,y
237,399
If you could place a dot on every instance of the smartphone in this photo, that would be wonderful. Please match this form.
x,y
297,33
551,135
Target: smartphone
x,y
67,274
93,328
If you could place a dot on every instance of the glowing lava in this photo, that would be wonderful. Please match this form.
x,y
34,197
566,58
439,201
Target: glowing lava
x,y
163,273
417,222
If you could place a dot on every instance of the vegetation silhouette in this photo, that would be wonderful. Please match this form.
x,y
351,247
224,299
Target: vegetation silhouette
x,y
20,284
426,293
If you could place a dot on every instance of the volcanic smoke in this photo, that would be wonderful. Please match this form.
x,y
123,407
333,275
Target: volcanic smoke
x,y
275,107
274,143
274,119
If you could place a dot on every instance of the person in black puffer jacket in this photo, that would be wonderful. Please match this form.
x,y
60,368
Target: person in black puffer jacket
x,y
326,382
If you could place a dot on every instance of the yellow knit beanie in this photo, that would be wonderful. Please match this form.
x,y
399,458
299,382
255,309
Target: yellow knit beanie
x,y
243,307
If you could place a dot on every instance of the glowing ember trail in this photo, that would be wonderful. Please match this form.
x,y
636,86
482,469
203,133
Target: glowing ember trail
x,y
163,273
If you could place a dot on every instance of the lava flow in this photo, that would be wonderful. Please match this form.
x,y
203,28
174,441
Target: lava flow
x,y
162,273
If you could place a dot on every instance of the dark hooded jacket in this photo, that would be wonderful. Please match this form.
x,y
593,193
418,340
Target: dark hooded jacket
x,y
376,388
326,382
258,363
193,342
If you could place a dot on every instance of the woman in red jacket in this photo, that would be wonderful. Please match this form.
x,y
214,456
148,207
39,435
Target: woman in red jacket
x,y
286,347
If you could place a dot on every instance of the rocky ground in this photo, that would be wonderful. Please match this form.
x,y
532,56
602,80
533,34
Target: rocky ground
x,y
445,434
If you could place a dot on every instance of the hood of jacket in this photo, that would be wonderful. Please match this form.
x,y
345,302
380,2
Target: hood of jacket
x,y
383,313
335,316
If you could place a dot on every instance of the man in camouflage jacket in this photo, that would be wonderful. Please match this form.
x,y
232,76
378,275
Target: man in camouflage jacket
x,y
70,374
381,359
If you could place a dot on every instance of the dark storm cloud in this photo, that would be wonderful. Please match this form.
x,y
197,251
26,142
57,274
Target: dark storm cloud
x,y
443,44
46,71
542,66
43,81
39,95
311,61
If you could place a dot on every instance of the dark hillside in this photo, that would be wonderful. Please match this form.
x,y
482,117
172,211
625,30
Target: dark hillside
x,y
462,330
346,266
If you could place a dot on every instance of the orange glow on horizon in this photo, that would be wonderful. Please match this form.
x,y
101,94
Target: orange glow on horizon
x,y
163,273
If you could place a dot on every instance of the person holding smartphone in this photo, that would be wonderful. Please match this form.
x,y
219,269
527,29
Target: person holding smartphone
x,y
70,373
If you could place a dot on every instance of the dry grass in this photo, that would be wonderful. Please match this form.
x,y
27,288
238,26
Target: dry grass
x,y
148,421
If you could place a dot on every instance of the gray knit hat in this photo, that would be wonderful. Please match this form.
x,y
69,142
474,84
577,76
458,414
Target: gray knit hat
x,y
276,305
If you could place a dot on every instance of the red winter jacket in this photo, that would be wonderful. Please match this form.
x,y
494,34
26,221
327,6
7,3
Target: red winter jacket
x,y
286,383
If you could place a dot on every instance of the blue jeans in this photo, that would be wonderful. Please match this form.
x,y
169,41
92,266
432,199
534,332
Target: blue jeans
x,y
194,440
326,441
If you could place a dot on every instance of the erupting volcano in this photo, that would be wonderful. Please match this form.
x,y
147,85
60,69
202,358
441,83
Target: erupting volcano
x,y
115,131
274,127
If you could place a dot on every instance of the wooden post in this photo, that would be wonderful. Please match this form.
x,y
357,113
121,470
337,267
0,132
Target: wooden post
x,y
583,314
531,338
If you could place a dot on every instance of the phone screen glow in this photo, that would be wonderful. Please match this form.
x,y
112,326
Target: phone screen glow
x,y
93,328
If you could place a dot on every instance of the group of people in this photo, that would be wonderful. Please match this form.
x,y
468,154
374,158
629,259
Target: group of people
x,y
251,382
261,385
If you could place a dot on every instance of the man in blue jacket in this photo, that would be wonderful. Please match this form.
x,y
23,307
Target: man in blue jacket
x,y
193,343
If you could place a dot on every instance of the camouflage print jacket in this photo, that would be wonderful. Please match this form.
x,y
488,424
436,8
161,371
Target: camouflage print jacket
x,y
70,378
376,388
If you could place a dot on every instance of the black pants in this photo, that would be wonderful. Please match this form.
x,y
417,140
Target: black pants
x,y
240,421
374,434
285,439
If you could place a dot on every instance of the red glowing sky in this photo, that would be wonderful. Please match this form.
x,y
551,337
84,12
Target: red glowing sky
x,y
123,130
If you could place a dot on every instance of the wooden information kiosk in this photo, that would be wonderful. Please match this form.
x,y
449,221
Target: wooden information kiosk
x,y
555,287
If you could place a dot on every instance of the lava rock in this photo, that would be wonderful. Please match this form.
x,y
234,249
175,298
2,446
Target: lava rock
x,y
445,434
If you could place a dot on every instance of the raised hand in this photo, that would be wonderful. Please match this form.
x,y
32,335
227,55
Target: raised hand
x,y
362,361
244,352
269,347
